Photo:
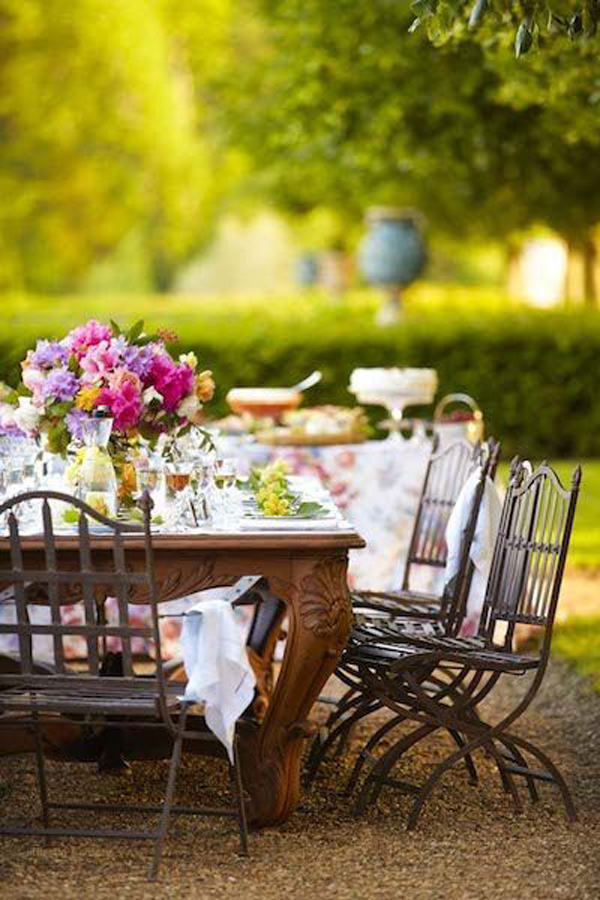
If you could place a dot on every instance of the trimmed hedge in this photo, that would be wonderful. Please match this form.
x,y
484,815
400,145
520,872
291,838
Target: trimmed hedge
x,y
535,374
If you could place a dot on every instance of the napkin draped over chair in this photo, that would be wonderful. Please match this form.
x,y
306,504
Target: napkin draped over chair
x,y
220,676
482,547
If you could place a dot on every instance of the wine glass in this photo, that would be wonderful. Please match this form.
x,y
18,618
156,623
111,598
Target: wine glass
x,y
227,505
178,478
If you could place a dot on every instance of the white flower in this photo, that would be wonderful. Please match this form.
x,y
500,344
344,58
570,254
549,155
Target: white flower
x,y
27,415
190,359
188,407
7,415
151,394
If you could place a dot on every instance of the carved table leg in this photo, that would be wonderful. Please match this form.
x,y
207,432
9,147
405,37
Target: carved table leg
x,y
319,616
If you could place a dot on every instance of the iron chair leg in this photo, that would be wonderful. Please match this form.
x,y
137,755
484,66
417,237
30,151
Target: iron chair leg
x,y
170,792
241,800
41,773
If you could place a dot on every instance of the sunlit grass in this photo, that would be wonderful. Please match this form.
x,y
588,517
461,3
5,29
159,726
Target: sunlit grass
x,y
584,551
578,641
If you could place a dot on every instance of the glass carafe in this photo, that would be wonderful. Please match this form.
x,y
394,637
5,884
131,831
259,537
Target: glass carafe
x,y
97,478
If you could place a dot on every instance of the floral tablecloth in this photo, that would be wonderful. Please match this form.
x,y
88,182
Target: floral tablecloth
x,y
376,484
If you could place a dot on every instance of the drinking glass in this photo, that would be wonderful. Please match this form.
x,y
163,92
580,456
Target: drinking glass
x,y
179,508
227,501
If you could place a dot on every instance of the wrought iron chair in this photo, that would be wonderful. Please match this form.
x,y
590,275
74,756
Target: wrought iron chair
x,y
447,472
68,573
524,586
446,617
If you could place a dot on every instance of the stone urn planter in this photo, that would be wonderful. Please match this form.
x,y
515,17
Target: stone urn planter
x,y
391,255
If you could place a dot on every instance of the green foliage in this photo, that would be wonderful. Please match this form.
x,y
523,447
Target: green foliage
x,y
103,135
535,373
339,105
526,23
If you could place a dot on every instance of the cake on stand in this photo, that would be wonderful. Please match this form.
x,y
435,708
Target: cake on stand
x,y
395,389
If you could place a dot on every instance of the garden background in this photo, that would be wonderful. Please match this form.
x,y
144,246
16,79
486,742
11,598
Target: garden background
x,y
137,138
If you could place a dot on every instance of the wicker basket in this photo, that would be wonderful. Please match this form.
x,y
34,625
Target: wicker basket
x,y
471,428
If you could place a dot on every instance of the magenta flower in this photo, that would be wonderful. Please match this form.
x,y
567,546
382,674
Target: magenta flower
x,y
125,404
174,381
85,336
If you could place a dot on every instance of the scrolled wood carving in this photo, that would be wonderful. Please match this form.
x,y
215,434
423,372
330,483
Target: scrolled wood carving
x,y
324,602
174,583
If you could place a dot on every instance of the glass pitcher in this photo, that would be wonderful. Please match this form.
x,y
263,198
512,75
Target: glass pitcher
x,y
97,478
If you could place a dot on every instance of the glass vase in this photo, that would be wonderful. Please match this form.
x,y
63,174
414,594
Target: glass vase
x,y
97,478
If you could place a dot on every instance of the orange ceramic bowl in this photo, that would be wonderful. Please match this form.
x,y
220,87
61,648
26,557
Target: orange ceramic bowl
x,y
259,402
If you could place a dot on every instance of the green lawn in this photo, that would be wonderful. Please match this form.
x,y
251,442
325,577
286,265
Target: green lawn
x,y
578,641
585,542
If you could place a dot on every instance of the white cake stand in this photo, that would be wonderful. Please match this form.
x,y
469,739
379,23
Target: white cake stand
x,y
395,402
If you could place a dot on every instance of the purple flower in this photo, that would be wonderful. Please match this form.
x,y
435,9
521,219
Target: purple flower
x,y
76,420
139,359
48,354
60,384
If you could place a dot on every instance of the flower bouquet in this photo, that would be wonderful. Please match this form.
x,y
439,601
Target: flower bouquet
x,y
99,370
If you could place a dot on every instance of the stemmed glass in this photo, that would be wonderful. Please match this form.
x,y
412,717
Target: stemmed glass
x,y
19,457
178,479
203,483
227,505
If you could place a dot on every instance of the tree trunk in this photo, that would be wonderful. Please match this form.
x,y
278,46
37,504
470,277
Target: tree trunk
x,y
590,253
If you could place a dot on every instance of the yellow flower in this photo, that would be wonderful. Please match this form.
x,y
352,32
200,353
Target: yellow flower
x,y
87,398
190,359
205,386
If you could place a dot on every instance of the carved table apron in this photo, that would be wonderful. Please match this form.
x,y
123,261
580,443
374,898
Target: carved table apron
x,y
308,573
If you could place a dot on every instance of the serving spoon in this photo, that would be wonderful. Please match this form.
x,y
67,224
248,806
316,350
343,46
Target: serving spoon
x,y
308,382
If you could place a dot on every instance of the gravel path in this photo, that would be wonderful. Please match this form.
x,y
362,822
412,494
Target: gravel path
x,y
469,844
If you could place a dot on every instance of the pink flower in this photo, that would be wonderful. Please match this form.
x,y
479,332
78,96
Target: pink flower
x,y
85,336
174,381
98,361
34,380
119,377
125,404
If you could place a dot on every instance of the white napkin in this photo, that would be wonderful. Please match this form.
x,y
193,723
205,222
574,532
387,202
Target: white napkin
x,y
213,641
482,548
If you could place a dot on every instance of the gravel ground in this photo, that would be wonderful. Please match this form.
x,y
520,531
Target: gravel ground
x,y
469,843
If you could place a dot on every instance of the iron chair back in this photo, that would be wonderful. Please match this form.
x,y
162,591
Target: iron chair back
x,y
447,472
529,555
86,586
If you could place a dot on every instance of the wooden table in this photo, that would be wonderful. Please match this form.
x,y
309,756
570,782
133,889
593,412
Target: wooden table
x,y
307,571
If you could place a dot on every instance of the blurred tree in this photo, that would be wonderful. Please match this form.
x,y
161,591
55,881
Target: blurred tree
x,y
100,135
339,105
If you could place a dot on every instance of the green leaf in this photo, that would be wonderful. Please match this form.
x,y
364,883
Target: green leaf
x,y
60,409
115,328
477,13
523,40
311,510
414,25
135,331
71,516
